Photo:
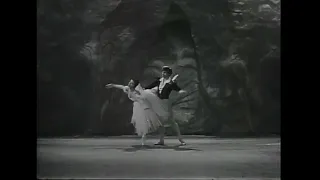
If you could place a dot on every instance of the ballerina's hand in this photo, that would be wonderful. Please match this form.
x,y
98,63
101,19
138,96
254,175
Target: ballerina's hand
x,y
108,86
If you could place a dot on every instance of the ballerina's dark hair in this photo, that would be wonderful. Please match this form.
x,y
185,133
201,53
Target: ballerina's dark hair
x,y
136,82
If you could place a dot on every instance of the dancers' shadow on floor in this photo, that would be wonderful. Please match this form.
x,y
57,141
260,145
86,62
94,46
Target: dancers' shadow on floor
x,y
135,148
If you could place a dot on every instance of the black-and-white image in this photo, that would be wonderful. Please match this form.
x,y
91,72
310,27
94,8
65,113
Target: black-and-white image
x,y
158,89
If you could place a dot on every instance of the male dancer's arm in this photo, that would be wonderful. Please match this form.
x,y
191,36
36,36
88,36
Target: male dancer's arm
x,y
175,87
153,84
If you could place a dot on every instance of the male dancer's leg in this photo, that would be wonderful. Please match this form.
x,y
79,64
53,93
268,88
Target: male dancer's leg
x,y
162,131
176,128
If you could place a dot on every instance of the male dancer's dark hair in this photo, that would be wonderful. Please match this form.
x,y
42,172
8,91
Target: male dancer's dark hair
x,y
167,69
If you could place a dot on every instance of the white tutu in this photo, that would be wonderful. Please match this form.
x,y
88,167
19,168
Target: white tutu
x,y
162,107
144,118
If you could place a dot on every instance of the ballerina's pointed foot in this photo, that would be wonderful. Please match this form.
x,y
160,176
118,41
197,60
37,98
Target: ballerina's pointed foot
x,y
143,140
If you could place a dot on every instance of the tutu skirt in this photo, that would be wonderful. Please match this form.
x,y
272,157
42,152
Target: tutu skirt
x,y
144,119
162,107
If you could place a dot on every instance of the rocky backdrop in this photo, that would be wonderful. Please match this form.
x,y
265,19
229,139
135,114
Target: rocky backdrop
x,y
227,54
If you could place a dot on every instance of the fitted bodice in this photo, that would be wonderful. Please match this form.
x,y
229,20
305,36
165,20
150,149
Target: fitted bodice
x,y
137,97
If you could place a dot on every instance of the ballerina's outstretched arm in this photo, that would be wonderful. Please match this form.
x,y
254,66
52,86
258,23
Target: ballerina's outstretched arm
x,y
126,88
118,86
108,86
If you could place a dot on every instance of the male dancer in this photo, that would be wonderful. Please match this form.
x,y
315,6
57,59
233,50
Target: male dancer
x,y
163,87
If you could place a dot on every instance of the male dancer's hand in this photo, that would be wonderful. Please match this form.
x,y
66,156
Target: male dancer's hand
x,y
182,91
174,79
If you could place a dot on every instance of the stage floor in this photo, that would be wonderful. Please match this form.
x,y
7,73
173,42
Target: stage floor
x,y
125,158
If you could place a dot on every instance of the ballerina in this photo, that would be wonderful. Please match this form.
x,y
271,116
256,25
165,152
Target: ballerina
x,y
144,119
